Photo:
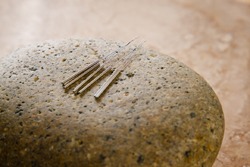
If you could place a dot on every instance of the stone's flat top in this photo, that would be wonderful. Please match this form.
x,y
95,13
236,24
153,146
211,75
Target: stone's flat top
x,y
158,112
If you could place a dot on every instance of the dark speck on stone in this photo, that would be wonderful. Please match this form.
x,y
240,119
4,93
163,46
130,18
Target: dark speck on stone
x,y
109,137
187,153
140,159
158,88
149,142
32,68
130,75
134,101
102,157
192,115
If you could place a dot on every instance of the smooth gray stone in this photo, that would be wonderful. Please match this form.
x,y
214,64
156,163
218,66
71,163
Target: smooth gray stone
x,y
157,113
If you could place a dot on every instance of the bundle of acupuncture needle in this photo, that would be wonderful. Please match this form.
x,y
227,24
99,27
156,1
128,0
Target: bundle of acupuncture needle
x,y
114,61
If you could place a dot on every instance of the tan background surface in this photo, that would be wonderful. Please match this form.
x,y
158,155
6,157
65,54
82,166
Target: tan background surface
x,y
210,36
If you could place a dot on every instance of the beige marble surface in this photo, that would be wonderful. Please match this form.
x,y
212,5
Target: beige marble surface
x,y
210,36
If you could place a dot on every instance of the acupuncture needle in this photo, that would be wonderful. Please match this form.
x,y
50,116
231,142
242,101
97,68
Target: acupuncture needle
x,y
78,73
109,80
76,90
95,79
71,80
119,49
80,76
87,79
78,87
115,74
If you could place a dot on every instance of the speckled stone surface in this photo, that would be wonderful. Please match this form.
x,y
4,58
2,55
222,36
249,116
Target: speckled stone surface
x,y
157,113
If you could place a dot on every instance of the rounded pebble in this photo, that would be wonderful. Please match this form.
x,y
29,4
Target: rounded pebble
x,y
158,112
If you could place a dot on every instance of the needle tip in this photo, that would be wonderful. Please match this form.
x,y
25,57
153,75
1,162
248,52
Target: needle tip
x,y
96,96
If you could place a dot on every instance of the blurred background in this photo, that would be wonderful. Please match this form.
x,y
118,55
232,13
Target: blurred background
x,y
210,36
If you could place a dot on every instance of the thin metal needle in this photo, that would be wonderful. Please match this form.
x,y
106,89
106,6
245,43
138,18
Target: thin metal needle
x,y
81,75
106,58
78,73
107,83
68,82
126,62
119,49
111,78
87,79
94,80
